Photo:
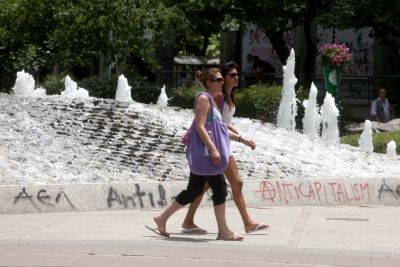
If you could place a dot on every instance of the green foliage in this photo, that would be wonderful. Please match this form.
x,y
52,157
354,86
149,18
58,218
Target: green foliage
x,y
259,103
54,84
36,34
183,97
256,102
214,46
101,88
379,140
141,91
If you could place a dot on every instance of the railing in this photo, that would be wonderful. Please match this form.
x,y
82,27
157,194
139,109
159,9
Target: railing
x,y
363,89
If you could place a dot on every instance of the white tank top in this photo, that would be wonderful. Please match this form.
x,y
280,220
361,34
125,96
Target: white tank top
x,y
227,113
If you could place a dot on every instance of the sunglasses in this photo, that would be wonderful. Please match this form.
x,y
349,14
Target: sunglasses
x,y
233,74
218,80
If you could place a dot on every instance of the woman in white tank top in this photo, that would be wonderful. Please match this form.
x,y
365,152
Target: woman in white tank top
x,y
226,104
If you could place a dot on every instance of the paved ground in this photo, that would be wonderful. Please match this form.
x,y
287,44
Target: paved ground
x,y
299,236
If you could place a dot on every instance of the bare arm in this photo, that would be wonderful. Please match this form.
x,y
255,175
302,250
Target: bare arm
x,y
236,137
233,129
202,109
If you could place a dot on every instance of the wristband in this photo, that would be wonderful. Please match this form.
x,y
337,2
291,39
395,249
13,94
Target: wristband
x,y
240,137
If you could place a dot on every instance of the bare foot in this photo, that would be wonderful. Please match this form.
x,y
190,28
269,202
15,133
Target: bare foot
x,y
161,226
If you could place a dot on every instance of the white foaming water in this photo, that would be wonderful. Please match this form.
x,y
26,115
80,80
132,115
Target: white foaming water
x,y
162,101
123,89
72,90
312,118
329,118
32,152
25,85
288,105
391,150
365,141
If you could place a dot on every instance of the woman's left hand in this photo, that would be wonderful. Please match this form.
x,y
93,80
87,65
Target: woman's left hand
x,y
249,143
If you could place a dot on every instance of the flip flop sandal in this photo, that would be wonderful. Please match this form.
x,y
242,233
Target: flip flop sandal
x,y
194,230
234,237
159,231
259,227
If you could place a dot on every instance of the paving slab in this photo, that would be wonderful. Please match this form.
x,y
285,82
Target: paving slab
x,y
299,236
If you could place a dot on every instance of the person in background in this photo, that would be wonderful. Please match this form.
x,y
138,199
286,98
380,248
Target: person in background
x,y
212,80
380,107
226,104
264,71
248,72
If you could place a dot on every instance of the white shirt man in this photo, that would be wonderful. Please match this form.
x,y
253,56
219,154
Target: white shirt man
x,y
380,107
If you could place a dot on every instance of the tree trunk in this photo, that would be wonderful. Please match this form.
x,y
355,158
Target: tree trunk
x,y
309,61
55,70
206,41
277,41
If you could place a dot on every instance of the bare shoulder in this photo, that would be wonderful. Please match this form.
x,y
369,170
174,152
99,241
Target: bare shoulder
x,y
202,100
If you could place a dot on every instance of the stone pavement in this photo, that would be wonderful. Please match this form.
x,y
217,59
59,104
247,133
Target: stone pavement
x,y
299,236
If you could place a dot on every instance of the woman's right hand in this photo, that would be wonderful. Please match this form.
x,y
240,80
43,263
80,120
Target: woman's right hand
x,y
215,157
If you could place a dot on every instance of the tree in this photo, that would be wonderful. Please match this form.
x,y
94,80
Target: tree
x,y
75,32
382,16
200,20
277,17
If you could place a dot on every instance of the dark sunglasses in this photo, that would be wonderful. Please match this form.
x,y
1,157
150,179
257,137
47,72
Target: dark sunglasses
x,y
219,80
233,74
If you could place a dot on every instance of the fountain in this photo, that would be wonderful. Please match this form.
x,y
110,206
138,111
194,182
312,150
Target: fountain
x,y
329,118
365,141
59,141
123,90
162,101
312,118
25,85
120,153
288,105
72,90
391,150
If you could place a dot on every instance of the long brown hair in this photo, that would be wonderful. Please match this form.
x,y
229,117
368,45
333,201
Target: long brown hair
x,y
224,71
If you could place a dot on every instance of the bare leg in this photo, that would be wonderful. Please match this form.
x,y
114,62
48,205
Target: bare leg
x,y
161,220
188,222
223,230
233,176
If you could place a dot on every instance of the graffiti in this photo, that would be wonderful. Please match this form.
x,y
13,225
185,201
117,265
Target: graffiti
x,y
360,45
256,42
322,192
257,35
42,198
136,199
141,199
385,189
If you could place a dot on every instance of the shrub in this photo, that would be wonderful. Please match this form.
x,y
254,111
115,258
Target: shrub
x,y
379,140
256,102
142,90
183,96
259,103
54,84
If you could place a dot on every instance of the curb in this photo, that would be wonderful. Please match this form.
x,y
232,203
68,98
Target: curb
x,y
156,195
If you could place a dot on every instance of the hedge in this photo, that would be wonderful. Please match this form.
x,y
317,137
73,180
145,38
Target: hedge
x,y
256,102
379,140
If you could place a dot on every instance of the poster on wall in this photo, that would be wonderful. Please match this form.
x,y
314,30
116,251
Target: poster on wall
x,y
256,43
360,44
